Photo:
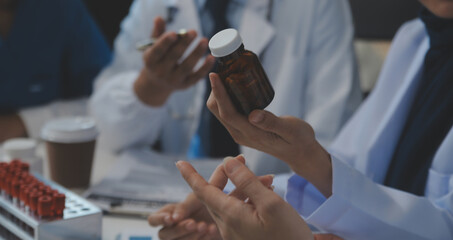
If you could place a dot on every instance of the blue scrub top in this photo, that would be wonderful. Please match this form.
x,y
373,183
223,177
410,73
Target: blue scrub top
x,y
53,51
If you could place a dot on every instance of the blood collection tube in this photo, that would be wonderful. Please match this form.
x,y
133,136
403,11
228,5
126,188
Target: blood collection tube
x,y
7,184
15,188
34,197
59,202
45,206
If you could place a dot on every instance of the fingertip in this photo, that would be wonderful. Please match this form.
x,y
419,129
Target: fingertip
x,y
210,59
202,227
211,79
158,19
212,76
179,164
225,161
191,225
156,219
241,158
150,219
176,216
172,37
212,230
256,116
168,221
231,165
191,33
204,41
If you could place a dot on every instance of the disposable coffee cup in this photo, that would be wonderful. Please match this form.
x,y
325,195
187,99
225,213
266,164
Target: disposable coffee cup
x,y
70,144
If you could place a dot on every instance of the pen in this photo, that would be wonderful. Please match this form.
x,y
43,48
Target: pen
x,y
144,44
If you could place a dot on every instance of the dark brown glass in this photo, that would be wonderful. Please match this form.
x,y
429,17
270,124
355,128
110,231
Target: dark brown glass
x,y
245,80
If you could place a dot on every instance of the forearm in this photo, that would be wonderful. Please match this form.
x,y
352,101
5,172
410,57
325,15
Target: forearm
x,y
149,93
11,126
362,209
122,118
316,167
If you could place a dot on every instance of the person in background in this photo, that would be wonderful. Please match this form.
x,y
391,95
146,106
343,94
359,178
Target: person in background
x,y
50,53
108,18
389,173
157,97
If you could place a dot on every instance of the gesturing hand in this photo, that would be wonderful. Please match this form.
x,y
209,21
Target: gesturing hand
x,y
190,219
264,215
162,73
185,220
287,138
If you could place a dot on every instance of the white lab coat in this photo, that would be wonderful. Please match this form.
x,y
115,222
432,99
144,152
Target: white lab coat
x,y
309,59
360,207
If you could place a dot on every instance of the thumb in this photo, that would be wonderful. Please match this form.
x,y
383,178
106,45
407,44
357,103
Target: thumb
x,y
219,178
186,208
267,121
159,27
245,181
265,180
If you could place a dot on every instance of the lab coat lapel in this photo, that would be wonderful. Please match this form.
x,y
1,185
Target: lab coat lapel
x,y
444,155
255,30
390,129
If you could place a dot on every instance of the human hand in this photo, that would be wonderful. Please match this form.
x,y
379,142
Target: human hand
x,y
190,219
11,126
288,138
162,73
185,220
264,215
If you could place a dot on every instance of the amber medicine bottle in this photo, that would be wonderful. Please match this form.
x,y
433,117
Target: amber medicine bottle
x,y
241,72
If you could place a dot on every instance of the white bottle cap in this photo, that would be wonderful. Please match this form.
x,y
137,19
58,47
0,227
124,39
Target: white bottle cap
x,y
70,130
21,148
225,42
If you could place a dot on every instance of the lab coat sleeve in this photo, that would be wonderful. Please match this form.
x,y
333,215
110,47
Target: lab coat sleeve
x,y
332,90
362,209
123,120
35,117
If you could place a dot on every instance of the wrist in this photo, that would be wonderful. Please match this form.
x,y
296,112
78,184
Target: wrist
x,y
149,93
315,166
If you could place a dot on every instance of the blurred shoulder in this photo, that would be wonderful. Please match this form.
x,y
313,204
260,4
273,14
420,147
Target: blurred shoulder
x,y
413,26
63,7
414,30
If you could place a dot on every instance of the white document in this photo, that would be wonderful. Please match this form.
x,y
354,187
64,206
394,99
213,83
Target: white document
x,y
142,181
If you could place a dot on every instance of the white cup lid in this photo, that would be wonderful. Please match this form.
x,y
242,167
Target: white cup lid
x,y
20,148
70,130
225,42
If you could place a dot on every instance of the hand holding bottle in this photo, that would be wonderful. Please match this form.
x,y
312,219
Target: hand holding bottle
x,y
288,138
